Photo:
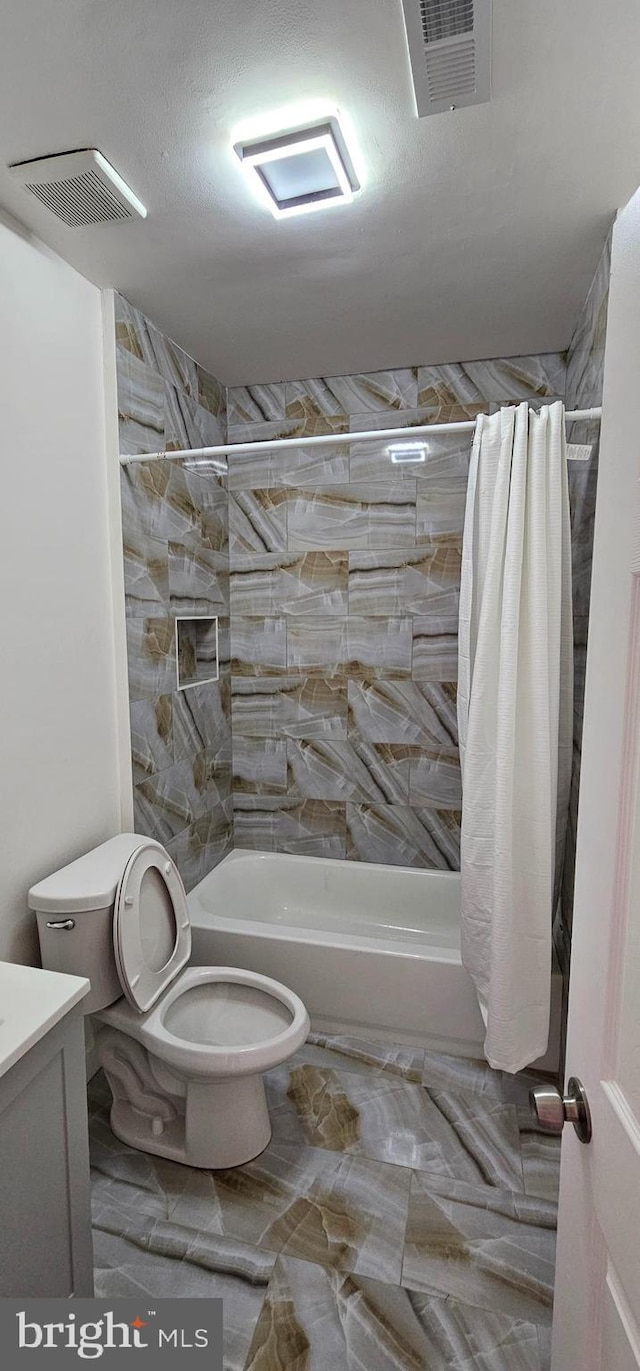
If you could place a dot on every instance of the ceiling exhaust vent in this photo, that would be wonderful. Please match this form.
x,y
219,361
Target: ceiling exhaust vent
x,y
450,52
80,188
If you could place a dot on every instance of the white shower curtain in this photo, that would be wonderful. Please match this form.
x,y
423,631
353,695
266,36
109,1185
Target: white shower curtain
x,y
515,695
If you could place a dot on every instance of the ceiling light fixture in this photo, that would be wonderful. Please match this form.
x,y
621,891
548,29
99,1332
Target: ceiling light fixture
x,y
307,168
408,452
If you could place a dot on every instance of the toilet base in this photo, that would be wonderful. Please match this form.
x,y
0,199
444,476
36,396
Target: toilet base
x,y
225,1124
206,1123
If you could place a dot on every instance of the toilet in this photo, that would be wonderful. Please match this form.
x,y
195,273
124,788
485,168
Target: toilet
x,y
183,1047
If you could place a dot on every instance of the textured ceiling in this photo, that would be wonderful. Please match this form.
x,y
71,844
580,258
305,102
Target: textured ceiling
x,y
475,235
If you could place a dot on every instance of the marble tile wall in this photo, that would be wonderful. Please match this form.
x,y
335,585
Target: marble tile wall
x,y
335,577
344,591
585,369
176,556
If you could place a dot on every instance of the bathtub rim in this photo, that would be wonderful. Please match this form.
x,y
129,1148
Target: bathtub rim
x,y
417,947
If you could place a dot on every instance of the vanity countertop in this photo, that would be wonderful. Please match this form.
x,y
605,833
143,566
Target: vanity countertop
x,y
31,1002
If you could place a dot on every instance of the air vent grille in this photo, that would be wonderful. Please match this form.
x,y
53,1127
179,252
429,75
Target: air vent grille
x,y
450,51
445,19
80,200
80,188
451,72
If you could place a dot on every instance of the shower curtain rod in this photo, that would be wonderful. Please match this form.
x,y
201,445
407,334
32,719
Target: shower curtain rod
x,y
333,439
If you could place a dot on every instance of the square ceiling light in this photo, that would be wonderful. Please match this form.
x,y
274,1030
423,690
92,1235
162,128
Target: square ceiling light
x,y
307,168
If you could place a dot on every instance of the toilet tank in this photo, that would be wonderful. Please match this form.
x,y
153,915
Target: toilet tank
x,y
74,909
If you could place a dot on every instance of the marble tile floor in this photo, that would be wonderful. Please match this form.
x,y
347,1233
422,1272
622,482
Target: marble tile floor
x,y
402,1218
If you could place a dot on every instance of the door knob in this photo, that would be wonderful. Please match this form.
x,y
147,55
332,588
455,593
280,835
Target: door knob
x,y
552,1110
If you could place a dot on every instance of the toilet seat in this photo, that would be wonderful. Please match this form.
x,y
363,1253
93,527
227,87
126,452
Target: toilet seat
x,y
151,929
164,1032
207,1022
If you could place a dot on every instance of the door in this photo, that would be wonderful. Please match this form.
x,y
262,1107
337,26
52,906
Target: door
x,y
597,1308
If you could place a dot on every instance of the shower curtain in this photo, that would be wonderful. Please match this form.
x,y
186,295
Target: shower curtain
x,y
515,720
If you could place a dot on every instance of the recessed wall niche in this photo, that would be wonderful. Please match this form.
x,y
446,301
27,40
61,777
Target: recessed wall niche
x,y
196,650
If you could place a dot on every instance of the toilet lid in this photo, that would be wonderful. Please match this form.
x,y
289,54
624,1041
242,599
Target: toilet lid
x,y
151,930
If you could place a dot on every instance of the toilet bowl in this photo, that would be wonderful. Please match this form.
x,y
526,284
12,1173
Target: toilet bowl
x,y
183,1048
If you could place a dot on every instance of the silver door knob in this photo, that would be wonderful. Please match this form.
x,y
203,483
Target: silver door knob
x,y
552,1110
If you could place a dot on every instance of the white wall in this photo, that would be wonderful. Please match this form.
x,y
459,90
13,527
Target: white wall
x,y
59,779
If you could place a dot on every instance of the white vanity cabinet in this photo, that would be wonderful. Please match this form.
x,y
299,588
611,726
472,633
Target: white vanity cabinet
x,y
45,1223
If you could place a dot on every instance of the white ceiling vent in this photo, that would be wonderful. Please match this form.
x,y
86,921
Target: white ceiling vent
x,y
80,188
450,51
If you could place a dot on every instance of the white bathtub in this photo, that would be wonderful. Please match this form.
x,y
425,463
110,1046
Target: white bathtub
x,y
370,949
